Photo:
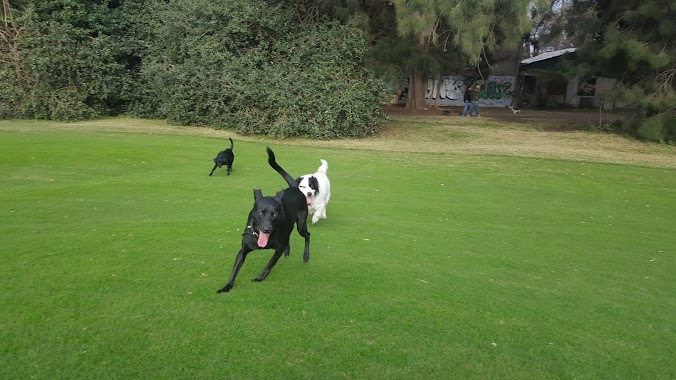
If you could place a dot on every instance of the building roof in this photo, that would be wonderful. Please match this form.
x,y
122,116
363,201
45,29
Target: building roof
x,y
547,55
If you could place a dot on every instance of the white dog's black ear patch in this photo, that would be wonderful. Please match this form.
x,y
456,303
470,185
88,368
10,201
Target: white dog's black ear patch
x,y
314,184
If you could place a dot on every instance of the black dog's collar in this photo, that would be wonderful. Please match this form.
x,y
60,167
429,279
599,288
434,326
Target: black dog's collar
x,y
252,230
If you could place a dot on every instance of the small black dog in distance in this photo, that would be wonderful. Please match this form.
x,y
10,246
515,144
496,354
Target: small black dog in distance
x,y
270,224
226,157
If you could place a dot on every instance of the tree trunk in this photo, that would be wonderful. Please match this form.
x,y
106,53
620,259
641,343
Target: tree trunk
x,y
417,87
435,96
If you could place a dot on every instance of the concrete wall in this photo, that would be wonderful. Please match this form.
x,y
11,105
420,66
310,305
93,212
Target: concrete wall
x,y
602,86
496,91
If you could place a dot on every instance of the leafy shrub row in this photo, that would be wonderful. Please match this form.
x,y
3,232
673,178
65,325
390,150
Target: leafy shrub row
x,y
247,65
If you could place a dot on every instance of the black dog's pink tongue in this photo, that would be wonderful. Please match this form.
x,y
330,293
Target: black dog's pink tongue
x,y
263,239
308,199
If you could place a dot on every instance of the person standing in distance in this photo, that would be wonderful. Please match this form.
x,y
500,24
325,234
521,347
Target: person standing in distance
x,y
475,99
467,98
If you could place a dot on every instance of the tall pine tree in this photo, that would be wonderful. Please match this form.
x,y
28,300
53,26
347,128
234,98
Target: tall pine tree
x,y
441,28
634,42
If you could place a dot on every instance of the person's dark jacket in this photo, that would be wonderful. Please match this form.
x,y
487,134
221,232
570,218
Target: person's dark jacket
x,y
468,95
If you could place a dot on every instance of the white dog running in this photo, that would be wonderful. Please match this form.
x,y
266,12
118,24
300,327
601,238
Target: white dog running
x,y
317,190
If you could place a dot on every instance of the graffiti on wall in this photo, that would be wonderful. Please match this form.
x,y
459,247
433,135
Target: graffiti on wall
x,y
496,91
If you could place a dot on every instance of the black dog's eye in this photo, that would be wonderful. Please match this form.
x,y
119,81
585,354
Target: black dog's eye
x,y
274,215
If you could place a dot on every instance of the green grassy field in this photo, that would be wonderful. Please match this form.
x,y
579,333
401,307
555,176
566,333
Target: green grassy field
x,y
429,266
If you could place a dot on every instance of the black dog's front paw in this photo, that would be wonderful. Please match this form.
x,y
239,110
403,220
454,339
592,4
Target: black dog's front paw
x,y
225,289
261,276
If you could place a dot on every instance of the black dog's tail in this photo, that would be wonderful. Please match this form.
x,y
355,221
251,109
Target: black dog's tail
x,y
231,143
271,160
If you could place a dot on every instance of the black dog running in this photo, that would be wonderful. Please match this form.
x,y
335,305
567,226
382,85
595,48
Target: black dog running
x,y
270,223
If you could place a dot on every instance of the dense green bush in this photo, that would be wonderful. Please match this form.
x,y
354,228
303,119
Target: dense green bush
x,y
248,65
196,66
659,128
11,94
321,87
68,65
649,116
245,65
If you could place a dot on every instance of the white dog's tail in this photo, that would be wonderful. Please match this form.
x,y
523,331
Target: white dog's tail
x,y
324,168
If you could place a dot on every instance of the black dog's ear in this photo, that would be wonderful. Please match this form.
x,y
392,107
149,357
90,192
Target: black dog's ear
x,y
279,196
314,184
257,194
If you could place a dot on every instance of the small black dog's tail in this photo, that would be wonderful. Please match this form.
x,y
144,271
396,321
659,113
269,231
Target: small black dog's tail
x,y
271,160
231,143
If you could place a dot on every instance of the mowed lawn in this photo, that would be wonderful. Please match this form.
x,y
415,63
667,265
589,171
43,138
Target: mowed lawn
x,y
429,266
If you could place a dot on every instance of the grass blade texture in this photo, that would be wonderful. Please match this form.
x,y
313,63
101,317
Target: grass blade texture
x,y
113,243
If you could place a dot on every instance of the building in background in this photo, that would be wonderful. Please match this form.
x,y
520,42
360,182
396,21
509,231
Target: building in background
x,y
543,85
